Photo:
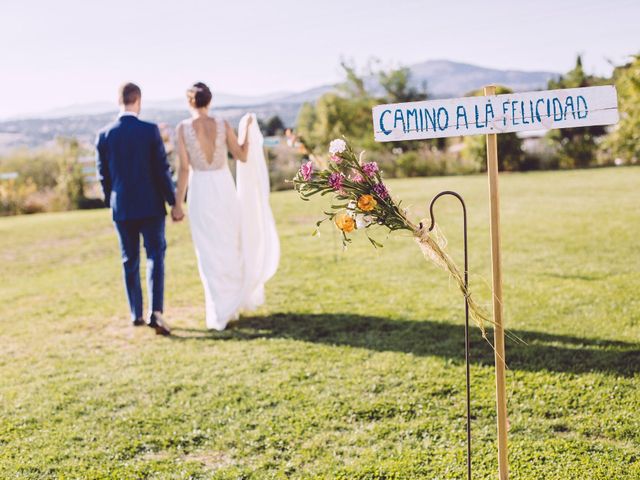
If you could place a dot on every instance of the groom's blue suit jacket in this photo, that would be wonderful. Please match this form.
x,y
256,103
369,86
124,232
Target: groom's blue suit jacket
x,y
133,169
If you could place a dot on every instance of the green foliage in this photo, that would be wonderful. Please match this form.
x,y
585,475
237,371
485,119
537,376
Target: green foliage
x,y
511,158
348,112
48,179
354,367
624,142
16,197
283,163
333,116
37,166
427,162
70,181
396,84
576,147
273,126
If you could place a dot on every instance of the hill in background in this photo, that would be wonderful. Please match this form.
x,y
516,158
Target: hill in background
x,y
443,79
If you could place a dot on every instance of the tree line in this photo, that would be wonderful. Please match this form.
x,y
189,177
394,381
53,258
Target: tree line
x,y
347,112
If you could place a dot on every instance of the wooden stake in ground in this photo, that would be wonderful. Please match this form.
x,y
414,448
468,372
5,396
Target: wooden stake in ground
x,y
496,270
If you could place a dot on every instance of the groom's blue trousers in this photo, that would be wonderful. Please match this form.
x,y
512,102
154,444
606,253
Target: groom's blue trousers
x,y
152,231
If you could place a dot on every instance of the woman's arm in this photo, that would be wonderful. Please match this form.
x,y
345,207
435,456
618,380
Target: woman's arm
x,y
183,175
238,152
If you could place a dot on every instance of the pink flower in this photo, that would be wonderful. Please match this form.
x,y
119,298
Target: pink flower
x,y
306,170
335,180
357,178
381,191
336,159
370,168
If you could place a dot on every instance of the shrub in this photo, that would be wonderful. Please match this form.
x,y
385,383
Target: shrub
x,y
19,197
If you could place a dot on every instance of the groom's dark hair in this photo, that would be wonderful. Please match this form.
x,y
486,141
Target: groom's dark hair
x,y
129,93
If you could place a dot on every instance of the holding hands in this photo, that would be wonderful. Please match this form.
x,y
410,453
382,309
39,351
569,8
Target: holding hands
x,y
177,214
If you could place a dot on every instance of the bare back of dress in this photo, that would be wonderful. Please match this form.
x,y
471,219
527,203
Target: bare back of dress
x,y
197,158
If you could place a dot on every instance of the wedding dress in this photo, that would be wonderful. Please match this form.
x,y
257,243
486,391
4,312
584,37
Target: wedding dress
x,y
232,226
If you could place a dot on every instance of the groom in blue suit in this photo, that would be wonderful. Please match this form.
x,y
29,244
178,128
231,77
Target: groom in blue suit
x,y
136,180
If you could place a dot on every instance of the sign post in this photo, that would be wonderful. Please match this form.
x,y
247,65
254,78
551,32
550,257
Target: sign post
x,y
489,115
496,275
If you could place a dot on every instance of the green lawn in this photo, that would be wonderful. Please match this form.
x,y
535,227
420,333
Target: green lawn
x,y
354,367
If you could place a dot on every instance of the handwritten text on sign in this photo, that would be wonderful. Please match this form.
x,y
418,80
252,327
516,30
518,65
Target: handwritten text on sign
x,y
571,107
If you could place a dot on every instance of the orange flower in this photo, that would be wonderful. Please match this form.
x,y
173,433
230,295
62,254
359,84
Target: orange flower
x,y
366,203
345,223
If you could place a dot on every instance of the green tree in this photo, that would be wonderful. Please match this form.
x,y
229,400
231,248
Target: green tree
x,y
397,86
576,147
274,126
348,110
70,181
510,154
624,142
344,112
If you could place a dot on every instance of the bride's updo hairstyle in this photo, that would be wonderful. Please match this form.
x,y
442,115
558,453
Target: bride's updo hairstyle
x,y
199,95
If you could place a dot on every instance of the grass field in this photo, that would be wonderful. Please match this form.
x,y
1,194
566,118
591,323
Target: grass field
x,y
354,367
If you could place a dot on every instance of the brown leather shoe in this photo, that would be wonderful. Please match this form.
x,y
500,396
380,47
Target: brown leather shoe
x,y
158,324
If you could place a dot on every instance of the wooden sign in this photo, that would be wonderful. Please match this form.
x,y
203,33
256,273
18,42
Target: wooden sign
x,y
513,112
490,115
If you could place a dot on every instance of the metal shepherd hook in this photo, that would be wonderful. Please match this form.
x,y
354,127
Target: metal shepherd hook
x,y
466,311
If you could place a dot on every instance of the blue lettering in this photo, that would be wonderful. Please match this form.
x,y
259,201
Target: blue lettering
x,y
569,103
461,112
382,129
398,116
524,117
430,117
478,123
421,120
548,108
446,114
586,109
557,109
412,113
513,113
505,108
540,100
488,113
532,117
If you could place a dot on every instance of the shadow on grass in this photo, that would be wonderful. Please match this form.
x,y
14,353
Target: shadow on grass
x,y
542,351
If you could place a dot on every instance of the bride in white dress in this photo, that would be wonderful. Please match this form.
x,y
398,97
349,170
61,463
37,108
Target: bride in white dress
x,y
232,225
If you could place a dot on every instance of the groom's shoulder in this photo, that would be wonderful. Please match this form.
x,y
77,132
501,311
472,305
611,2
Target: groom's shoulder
x,y
148,125
108,127
105,131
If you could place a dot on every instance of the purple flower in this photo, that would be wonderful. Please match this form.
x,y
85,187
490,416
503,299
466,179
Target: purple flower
x,y
370,168
335,180
357,178
306,170
381,191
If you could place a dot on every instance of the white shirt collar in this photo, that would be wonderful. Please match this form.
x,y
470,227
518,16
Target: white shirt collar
x,y
125,113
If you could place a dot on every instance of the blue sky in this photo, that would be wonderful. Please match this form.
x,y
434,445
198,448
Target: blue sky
x,y
63,52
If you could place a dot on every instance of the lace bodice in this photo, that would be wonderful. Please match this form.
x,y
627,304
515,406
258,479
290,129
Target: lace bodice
x,y
197,158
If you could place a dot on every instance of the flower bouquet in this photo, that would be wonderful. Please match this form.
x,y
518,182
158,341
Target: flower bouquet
x,y
360,200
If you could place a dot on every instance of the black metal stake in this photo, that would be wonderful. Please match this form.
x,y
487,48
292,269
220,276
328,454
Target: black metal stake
x,y
466,311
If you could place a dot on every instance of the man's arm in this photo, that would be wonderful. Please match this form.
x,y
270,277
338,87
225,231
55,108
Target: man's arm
x,y
102,168
162,169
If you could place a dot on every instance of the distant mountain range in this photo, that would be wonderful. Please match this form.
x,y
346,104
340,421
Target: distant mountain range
x,y
443,79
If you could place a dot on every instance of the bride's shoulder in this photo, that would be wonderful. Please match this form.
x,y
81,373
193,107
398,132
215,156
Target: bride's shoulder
x,y
184,123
